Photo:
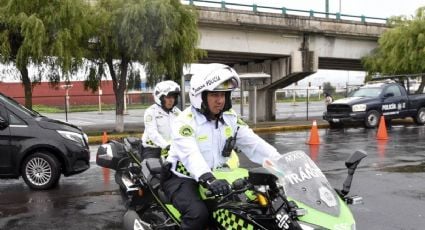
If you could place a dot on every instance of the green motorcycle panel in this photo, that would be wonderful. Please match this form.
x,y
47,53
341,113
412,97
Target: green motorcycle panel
x,y
344,221
231,221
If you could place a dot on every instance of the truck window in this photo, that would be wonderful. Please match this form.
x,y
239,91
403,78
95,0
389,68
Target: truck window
x,y
366,92
393,89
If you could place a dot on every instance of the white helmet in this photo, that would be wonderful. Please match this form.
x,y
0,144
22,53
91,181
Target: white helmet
x,y
165,88
215,77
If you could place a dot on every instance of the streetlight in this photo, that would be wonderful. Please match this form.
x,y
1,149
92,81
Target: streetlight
x,y
66,87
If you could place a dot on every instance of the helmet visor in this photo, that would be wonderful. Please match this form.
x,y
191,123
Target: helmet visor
x,y
228,85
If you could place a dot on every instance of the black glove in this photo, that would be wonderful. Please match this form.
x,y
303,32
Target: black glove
x,y
165,171
219,187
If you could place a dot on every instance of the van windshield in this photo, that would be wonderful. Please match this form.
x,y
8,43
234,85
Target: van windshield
x,y
9,101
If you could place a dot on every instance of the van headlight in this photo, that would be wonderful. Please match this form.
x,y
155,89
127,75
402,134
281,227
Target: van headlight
x,y
359,108
76,137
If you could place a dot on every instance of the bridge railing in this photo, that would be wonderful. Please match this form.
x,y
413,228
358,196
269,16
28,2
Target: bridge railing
x,y
284,11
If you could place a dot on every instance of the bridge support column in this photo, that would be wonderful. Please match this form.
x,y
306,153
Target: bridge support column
x,y
265,103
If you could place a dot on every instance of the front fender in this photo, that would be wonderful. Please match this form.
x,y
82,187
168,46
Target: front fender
x,y
132,221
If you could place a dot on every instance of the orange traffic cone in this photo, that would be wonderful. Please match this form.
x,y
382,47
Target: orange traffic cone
x,y
104,138
314,135
382,130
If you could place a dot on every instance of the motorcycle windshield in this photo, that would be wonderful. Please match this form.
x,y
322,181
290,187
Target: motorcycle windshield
x,y
304,182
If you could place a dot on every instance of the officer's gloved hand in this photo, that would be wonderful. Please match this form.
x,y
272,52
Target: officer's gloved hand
x,y
218,187
165,171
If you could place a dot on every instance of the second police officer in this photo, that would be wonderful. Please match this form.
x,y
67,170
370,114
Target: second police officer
x,y
158,119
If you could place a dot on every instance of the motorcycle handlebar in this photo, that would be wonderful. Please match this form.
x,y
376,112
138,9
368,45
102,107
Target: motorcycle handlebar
x,y
238,186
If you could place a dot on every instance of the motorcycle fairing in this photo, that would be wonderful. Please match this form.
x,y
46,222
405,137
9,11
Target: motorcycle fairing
x,y
305,184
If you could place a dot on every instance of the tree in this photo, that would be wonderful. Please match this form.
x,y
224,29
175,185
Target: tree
x,y
160,34
400,48
45,34
328,88
137,81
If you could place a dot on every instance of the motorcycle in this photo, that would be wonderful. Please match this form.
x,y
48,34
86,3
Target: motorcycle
x,y
289,192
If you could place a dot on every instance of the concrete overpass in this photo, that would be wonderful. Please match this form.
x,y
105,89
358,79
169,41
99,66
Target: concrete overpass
x,y
288,47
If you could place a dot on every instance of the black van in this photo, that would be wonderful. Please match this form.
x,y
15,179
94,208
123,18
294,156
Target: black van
x,y
38,148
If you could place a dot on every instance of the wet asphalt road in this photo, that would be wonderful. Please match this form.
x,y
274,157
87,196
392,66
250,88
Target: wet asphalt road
x,y
390,179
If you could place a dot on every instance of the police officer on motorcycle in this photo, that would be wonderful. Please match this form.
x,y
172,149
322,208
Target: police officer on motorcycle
x,y
158,119
203,136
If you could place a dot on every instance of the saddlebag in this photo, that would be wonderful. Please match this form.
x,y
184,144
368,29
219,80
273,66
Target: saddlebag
x,y
110,154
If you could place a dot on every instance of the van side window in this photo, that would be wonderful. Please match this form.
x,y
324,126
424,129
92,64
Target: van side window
x,y
14,120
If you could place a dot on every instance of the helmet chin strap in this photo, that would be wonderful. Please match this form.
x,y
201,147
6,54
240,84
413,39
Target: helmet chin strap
x,y
219,117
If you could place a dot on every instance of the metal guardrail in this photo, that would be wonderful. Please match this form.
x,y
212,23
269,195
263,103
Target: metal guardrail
x,y
284,11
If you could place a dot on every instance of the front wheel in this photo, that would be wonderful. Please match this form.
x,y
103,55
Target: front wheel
x,y
372,119
41,170
420,116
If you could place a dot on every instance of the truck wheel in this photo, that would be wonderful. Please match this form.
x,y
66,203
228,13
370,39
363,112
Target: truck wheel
x,y
420,117
372,119
41,171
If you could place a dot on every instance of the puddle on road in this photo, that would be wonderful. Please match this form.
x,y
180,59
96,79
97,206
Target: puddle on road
x,y
44,203
405,168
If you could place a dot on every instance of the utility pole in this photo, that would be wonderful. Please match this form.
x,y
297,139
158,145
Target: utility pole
x,y
339,6
327,8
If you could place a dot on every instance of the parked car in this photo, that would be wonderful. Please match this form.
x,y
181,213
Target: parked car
x,y
368,103
37,148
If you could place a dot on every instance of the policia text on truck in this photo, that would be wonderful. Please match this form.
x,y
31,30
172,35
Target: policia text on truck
x,y
366,105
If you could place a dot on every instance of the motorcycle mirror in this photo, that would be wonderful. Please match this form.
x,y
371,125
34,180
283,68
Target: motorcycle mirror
x,y
351,164
127,145
355,159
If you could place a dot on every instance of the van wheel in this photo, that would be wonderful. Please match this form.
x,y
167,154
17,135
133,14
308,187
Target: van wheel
x,y
372,119
420,117
41,171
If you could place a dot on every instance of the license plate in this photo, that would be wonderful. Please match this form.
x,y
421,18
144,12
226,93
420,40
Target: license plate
x,y
335,119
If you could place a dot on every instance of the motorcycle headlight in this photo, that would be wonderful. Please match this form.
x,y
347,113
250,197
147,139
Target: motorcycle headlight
x,y
359,108
76,137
